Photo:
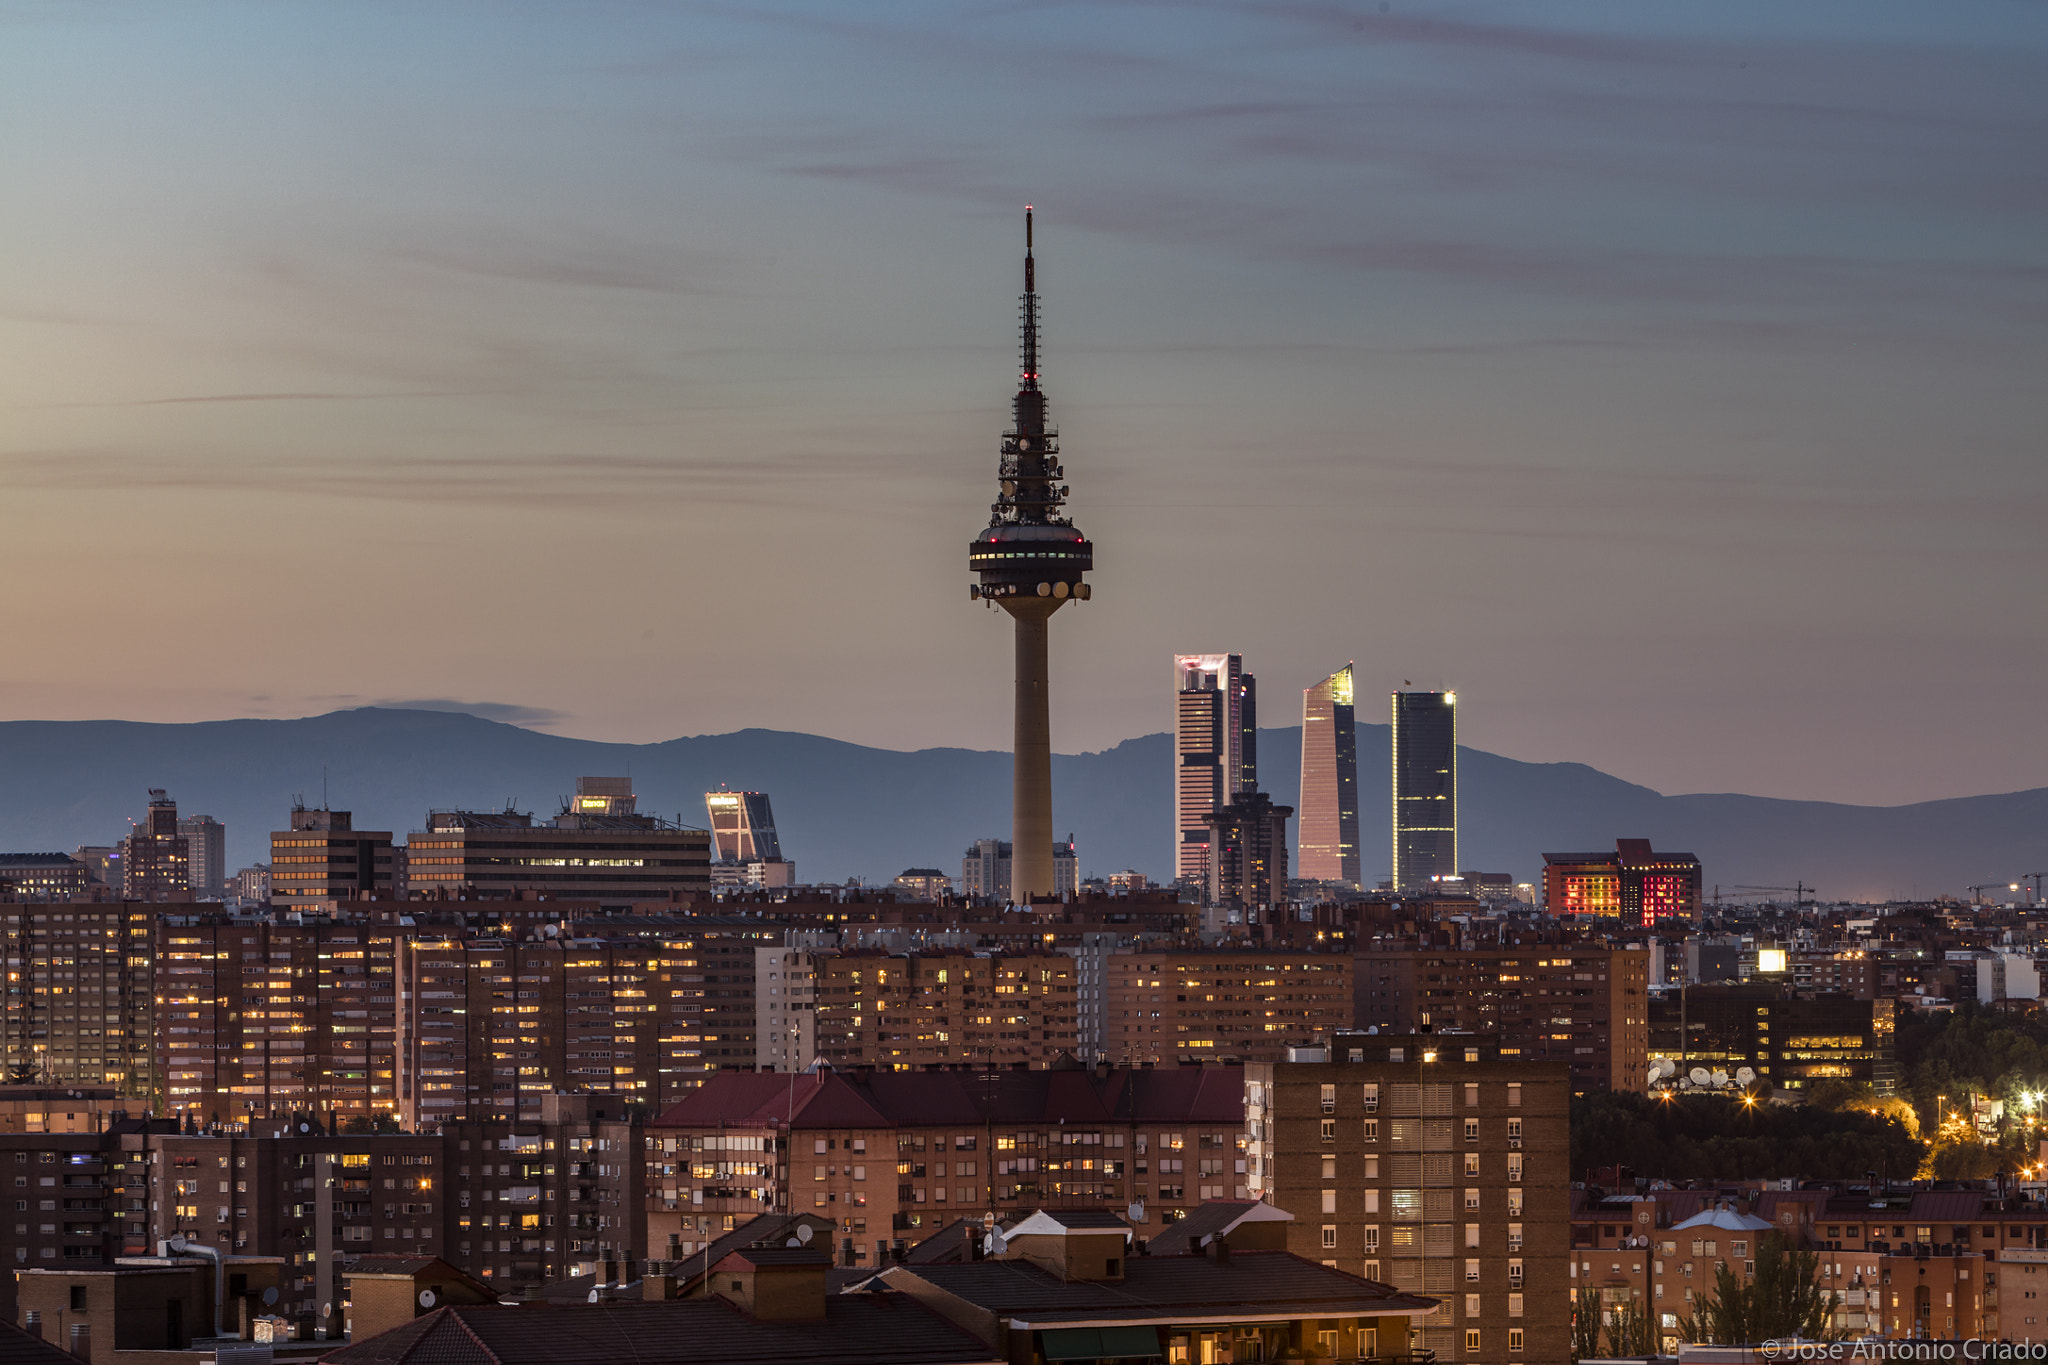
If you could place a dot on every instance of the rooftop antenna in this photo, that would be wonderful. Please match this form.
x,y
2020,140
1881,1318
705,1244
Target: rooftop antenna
x,y
323,787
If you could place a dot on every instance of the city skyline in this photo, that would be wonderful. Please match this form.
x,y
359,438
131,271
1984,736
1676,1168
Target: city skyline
x,y
1443,317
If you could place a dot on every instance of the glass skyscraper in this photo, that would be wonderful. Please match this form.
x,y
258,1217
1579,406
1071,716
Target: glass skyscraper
x,y
1425,788
1329,782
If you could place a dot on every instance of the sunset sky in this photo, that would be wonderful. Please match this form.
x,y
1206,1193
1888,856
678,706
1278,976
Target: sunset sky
x,y
1672,380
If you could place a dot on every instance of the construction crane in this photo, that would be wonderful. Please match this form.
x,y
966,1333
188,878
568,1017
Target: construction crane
x,y
1799,890
1991,886
2037,883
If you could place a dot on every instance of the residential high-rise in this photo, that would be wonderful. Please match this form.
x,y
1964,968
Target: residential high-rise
x,y
985,870
1632,884
1436,1164
81,1001
1031,560
1170,1005
1425,788
155,857
207,846
1247,856
322,857
1329,782
1215,750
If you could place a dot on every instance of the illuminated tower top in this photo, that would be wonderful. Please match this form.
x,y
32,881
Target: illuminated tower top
x,y
1029,548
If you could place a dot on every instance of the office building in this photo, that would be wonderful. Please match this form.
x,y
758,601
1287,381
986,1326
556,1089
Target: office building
x,y
1432,1164
923,884
1168,1005
155,858
1215,750
1030,562
81,1003
1329,782
1425,793
206,841
1633,885
323,857
1247,874
985,870
1789,1042
742,827
891,1154
41,876
612,855
102,865
1582,1005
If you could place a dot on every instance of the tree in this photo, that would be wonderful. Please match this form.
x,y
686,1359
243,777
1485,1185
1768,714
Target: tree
x,y
1630,1334
1585,1325
1784,1298
22,1072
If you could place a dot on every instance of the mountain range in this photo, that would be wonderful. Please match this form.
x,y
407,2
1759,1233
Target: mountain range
x,y
845,810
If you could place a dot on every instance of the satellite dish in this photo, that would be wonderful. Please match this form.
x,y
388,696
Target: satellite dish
x,y
804,1233
1720,1078
270,1296
1699,1075
426,1298
1744,1076
592,1298
326,1310
305,1127
1136,1212
792,1242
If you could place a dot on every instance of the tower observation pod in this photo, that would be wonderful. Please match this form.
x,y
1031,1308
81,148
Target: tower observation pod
x,y
1030,562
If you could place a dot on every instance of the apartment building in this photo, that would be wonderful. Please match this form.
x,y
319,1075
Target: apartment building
x,y
892,1155
79,1198
261,1019
1436,1164
494,1026
1220,1004
512,1203
1583,1005
80,1005
945,1006
323,857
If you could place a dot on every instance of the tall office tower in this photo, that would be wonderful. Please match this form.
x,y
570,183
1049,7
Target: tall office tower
x,y
155,858
1425,788
1031,559
742,827
1329,781
322,857
1215,750
1247,856
207,844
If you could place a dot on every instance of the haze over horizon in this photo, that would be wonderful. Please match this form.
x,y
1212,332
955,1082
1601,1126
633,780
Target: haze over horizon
x,y
1666,380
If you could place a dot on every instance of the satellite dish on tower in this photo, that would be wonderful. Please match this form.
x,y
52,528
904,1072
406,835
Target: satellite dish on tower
x,y
1720,1078
804,1233
1699,1076
1744,1076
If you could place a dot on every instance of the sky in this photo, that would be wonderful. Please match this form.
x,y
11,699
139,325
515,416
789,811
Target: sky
x,y
1668,379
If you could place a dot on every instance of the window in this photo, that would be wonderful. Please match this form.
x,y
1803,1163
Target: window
x,y
1514,1338
1372,1168
1372,1096
1372,1201
1514,1167
1329,1097
1471,1305
1515,1304
1329,1235
1471,1130
1372,1130
1329,1130
1372,1239
1471,1338
1329,1201
1514,1094
1472,1235
1471,1200
1472,1163
1471,1272
1514,1132
1472,1087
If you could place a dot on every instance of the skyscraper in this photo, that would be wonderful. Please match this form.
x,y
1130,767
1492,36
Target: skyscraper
x,y
1030,560
207,844
1215,750
742,827
155,858
1329,781
1425,788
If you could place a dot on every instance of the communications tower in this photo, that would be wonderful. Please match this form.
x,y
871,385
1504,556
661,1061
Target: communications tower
x,y
1030,561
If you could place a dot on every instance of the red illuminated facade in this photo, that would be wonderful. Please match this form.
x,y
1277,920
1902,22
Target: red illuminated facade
x,y
1634,885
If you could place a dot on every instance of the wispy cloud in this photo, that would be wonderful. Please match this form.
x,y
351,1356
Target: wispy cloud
x,y
505,712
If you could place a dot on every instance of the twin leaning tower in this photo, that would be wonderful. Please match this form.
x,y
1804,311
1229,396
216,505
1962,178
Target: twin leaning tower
x,y
1031,561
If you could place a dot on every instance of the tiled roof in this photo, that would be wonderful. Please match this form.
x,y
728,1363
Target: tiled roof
x,y
857,1329
1163,1288
951,1244
1217,1215
1947,1206
19,1348
766,1229
1180,1094
760,1256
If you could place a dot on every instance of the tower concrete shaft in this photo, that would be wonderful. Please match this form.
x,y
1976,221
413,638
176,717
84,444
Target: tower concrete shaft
x,y
1031,561
1031,872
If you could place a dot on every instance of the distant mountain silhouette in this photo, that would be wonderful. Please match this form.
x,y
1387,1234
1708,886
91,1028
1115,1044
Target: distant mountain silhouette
x,y
847,810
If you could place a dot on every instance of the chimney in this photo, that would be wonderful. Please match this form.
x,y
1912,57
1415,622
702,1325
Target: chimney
x,y
1222,1245
608,1272
658,1287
